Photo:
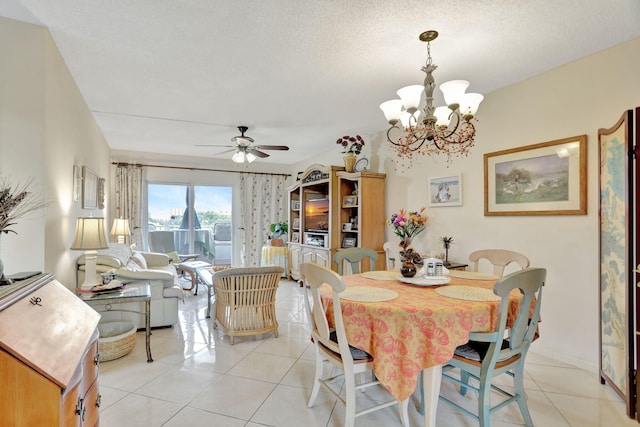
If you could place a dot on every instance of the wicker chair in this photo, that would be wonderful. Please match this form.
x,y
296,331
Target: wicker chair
x,y
245,300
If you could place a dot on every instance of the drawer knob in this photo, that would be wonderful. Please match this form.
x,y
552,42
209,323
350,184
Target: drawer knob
x,y
36,301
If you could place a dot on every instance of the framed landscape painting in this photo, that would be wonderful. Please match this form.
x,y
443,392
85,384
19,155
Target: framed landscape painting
x,y
549,178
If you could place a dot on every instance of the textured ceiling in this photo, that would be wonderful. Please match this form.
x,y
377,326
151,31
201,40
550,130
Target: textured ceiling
x,y
165,75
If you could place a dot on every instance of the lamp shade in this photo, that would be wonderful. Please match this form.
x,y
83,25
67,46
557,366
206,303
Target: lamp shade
x,y
90,234
120,227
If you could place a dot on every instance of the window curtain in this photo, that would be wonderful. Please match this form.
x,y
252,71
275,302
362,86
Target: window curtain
x,y
129,199
263,203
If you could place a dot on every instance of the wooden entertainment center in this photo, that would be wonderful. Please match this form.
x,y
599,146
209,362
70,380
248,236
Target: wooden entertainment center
x,y
330,209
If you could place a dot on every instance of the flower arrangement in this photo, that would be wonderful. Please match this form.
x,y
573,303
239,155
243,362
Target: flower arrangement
x,y
407,225
15,203
351,144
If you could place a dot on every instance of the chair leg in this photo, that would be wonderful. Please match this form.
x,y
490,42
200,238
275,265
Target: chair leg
x,y
464,377
316,380
404,412
484,403
350,400
522,398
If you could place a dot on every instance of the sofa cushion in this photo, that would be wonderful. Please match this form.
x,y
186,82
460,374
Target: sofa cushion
x,y
132,266
140,260
174,257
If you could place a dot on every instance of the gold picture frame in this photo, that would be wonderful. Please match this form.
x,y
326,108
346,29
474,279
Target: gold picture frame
x,y
350,200
549,178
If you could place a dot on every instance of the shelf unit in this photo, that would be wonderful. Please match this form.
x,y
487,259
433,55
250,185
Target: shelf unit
x,y
360,214
321,190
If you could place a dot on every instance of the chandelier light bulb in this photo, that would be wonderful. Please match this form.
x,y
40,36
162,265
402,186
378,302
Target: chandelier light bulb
x,y
392,110
469,104
443,116
453,91
410,96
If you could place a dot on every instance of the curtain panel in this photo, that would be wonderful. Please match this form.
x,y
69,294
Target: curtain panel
x,y
128,192
264,202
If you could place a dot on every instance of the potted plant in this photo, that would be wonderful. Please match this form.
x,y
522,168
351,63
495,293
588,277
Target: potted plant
x,y
352,146
278,229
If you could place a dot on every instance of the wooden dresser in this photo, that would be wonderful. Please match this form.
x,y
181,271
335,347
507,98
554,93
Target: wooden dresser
x,y
48,356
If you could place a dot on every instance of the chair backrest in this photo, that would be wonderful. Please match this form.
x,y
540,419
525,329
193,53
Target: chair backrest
x,y
392,255
530,282
222,232
354,256
247,286
499,258
161,241
313,277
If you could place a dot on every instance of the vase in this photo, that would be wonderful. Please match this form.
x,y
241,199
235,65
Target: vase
x,y
408,269
349,161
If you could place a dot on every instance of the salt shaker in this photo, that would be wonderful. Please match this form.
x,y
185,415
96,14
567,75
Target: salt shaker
x,y
431,268
439,268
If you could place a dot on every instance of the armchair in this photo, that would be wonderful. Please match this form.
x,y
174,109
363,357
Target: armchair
x,y
245,300
163,242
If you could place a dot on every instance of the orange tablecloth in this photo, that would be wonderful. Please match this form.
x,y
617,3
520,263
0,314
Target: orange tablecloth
x,y
417,330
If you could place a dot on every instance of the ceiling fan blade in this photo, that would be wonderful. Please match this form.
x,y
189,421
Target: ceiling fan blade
x,y
213,145
231,150
258,153
272,147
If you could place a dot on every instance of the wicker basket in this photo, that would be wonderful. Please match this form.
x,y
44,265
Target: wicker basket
x,y
116,340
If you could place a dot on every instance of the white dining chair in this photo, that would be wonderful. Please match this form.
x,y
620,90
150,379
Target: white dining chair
x,y
499,259
392,255
331,346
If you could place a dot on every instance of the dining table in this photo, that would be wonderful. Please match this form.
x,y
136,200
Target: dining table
x,y
413,325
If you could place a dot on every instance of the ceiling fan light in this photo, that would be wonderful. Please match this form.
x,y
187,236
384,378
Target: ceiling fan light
x,y
410,96
453,91
250,157
238,157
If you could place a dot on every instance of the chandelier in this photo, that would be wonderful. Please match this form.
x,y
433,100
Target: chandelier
x,y
445,130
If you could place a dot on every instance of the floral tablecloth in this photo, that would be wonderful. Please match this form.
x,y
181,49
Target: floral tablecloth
x,y
417,330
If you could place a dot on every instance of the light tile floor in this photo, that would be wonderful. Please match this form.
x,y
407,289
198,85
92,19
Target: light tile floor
x,y
199,379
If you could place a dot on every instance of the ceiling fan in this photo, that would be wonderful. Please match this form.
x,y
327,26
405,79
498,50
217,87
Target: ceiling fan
x,y
245,150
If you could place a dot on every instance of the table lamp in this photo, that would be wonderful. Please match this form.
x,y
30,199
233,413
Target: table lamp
x,y
90,235
120,228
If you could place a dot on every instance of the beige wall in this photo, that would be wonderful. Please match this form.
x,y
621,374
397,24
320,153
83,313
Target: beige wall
x,y
45,128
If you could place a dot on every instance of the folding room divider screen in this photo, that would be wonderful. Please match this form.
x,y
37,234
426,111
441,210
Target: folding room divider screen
x,y
619,206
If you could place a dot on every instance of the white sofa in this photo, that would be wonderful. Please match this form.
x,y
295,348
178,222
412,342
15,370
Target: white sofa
x,y
145,267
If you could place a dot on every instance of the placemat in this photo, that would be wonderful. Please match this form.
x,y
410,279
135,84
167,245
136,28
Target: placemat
x,y
472,275
468,293
381,275
368,294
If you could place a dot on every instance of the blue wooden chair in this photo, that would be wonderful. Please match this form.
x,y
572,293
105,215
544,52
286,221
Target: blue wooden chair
x,y
355,256
488,354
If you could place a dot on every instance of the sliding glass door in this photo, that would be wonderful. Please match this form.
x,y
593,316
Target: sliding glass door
x,y
198,217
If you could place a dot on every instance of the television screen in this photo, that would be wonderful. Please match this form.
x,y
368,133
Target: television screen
x,y
316,215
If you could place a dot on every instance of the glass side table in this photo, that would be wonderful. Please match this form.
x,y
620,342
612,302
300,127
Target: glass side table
x,y
103,302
